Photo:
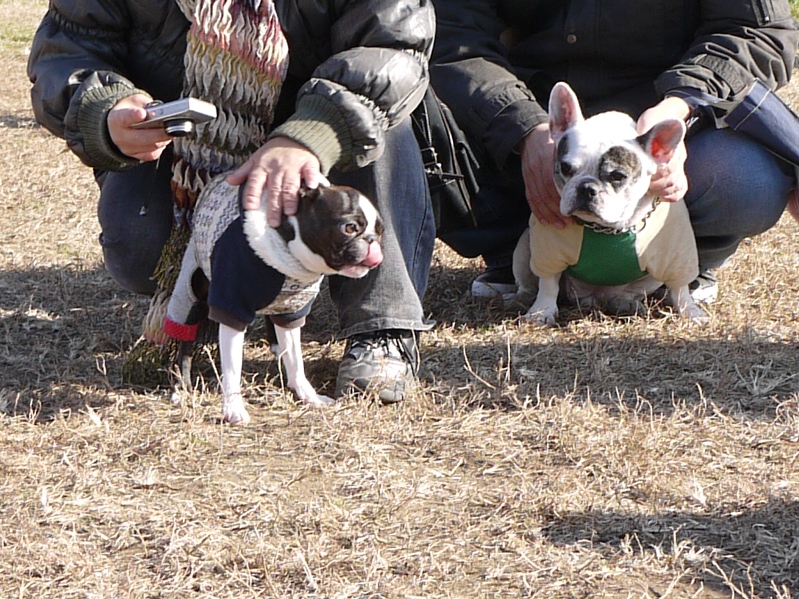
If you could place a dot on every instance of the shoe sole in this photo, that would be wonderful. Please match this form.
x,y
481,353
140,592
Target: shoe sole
x,y
386,396
485,290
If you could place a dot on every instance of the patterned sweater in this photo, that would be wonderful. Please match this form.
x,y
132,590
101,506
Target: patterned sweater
x,y
240,283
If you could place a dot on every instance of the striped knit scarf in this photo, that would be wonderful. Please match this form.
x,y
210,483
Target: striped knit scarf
x,y
236,58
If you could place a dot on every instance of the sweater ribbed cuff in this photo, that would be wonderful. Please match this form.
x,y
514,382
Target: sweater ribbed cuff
x,y
319,126
95,105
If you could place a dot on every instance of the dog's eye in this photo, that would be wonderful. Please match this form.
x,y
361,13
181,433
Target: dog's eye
x,y
566,169
617,177
349,228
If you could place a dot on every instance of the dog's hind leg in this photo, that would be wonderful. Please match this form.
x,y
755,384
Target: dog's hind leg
x,y
183,383
291,358
231,354
526,281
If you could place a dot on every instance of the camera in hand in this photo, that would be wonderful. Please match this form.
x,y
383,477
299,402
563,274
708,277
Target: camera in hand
x,y
177,118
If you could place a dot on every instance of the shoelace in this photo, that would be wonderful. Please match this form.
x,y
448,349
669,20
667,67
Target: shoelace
x,y
390,345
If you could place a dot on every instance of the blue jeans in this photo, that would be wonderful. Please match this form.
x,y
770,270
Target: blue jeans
x,y
388,297
135,214
736,190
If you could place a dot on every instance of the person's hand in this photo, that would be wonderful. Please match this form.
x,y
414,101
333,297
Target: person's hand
x,y
670,182
274,175
538,160
142,144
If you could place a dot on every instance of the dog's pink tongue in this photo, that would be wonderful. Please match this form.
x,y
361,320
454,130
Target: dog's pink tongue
x,y
374,256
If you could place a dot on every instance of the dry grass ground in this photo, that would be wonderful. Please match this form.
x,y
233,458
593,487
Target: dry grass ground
x,y
604,458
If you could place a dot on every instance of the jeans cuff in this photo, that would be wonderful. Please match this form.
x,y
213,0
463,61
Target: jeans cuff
x,y
382,324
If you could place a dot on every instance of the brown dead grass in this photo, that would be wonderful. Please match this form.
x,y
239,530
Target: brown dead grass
x,y
604,458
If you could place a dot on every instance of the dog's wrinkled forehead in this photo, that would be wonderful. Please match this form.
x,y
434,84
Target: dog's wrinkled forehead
x,y
620,158
338,201
331,208
325,206
598,144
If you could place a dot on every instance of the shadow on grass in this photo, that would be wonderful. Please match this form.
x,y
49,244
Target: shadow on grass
x,y
66,332
754,549
738,375
63,334
740,370
22,120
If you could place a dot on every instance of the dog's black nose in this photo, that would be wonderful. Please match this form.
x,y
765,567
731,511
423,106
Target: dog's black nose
x,y
588,190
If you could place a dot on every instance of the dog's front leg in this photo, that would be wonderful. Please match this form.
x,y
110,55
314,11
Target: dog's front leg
x,y
291,357
545,308
231,353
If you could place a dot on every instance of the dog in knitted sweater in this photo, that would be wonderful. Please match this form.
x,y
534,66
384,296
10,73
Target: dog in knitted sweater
x,y
238,266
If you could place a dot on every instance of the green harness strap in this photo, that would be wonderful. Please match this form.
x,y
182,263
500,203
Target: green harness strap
x,y
607,260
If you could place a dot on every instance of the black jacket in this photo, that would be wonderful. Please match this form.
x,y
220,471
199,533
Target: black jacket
x,y
369,57
495,61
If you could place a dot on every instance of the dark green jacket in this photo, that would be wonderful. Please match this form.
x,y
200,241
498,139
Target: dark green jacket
x,y
356,67
495,61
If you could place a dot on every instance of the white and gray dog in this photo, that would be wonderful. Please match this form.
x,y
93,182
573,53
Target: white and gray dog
x,y
623,243
237,266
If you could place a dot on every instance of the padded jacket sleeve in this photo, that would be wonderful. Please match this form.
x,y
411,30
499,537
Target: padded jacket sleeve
x,y
364,61
80,67
736,41
75,65
375,76
718,47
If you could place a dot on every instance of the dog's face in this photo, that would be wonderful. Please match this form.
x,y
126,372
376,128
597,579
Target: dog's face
x,y
336,230
602,166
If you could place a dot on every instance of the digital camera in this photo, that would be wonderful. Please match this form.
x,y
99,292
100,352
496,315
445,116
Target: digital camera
x,y
177,118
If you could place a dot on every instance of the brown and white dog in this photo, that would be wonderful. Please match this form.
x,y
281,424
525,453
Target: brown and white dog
x,y
238,266
623,243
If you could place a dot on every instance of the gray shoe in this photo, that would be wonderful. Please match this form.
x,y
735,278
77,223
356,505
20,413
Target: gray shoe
x,y
384,363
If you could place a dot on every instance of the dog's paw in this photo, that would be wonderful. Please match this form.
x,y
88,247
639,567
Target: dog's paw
x,y
686,306
320,401
542,315
695,312
234,410
308,395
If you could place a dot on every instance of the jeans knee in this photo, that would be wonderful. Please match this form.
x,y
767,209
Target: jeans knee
x,y
131,267
742,196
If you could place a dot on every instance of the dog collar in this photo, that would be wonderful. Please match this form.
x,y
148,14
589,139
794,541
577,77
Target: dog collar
x,y
635,228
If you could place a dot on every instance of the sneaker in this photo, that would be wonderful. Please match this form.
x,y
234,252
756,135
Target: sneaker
x,y
384,363
494,282
704,288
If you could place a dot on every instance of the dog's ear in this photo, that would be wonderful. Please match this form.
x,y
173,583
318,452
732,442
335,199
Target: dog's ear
x,y
662,140
308,193
564,110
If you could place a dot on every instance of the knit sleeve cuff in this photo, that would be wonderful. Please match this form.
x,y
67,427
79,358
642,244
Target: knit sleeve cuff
x,y
95,104
318,125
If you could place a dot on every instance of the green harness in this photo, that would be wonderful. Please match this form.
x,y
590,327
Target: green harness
x,y
607,259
